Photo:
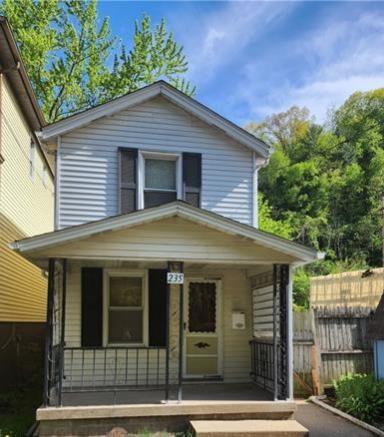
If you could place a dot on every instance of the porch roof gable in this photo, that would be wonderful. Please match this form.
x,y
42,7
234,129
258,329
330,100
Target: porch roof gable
x,y
301,253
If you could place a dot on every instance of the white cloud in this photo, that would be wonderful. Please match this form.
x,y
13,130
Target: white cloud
x,y
339,57
221,37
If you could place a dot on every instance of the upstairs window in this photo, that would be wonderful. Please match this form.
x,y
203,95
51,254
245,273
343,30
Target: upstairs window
x,y
149,179
160,179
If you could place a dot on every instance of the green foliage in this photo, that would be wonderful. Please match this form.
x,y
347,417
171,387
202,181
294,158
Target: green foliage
x,y
327,182
362,396
300,289
18,410
268,224
66,49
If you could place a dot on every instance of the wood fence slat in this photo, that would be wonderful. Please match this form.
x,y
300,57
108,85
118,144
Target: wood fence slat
x,y
330,342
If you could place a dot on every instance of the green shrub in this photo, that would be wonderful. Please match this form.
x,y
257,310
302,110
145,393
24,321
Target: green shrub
x,y
362,396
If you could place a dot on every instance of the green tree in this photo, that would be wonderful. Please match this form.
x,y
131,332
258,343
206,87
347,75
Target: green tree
x,y
327,183
67,49
268,224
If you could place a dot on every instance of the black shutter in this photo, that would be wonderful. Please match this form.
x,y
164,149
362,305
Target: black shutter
x,y
128,180
192,178
157,316
91,307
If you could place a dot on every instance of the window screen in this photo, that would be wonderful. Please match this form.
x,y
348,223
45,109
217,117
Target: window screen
x,y
160,185
126,310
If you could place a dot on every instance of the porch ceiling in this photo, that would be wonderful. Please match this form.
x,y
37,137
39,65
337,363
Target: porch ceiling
x,y
172,232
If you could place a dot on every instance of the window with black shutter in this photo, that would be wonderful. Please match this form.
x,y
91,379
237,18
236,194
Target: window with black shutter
x,y
192,178
91,307
157,308
150,179
128,180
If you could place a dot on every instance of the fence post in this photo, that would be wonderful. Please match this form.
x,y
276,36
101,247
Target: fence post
x,y
315,356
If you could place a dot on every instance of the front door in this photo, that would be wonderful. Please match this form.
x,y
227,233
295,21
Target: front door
x,y
202,329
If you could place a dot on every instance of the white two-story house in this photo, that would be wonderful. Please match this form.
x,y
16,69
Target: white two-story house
x,y
161,286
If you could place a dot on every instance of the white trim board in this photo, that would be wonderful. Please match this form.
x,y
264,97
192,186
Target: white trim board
x,y
144,94
174,209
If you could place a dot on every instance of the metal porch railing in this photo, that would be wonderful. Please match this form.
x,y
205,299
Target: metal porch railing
x,y
262,366
112,368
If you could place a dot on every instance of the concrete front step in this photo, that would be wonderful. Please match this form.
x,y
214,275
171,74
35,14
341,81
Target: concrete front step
x,y
248,428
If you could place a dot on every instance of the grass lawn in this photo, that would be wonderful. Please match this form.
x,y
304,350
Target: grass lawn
x,y
17,411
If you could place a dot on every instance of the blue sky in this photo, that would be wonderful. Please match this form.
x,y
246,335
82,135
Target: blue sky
x,y
251,59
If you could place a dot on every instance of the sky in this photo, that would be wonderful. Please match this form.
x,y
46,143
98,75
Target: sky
x,y
249,60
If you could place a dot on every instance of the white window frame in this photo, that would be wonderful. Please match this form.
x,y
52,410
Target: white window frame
x,y
108,273
142,156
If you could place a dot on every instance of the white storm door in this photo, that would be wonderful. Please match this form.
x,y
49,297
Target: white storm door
x,y
202,329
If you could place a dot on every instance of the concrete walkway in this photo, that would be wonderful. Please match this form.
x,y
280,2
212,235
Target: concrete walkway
x,y
322,423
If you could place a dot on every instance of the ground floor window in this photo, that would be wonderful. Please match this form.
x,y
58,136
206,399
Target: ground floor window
x,y
125,308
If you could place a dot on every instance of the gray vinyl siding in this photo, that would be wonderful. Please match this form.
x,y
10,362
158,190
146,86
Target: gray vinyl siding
x,y
88,162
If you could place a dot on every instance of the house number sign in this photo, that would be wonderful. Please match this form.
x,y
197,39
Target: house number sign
x,y
175,278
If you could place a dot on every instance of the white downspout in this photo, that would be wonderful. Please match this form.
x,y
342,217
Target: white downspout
x,y
257,163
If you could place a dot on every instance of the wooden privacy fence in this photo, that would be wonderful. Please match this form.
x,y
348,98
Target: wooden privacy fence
x,y
328,343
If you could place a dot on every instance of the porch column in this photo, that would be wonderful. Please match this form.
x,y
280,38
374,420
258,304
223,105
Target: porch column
x,y
62,330
285,321
175,329
290,332
167,342
275,339
181,337
48,330
282,332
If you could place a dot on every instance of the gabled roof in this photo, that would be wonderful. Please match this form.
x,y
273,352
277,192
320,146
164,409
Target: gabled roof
x,y
174,209
164,89
11,65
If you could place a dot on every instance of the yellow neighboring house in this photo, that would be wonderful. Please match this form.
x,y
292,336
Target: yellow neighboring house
x,y
26,187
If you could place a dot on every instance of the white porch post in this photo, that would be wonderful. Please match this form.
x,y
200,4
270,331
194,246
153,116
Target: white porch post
x,y
290,332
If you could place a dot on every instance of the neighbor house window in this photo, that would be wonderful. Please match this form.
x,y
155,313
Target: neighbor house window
x,y
126,308
31,160
44,175
160,178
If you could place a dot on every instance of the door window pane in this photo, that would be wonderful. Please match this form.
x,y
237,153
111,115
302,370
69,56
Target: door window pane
x,y
125,291
125,326
202,307
160,174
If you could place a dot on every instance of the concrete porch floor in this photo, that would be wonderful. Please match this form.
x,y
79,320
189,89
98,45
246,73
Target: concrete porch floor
x,y
191,392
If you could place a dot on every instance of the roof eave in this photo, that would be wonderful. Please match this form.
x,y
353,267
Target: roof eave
x,y
302,253
185,102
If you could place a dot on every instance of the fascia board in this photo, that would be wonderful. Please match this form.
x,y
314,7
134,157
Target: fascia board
x,y
82,119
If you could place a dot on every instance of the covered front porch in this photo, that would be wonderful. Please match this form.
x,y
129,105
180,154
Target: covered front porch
x,y
123,332
209,338
203,392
